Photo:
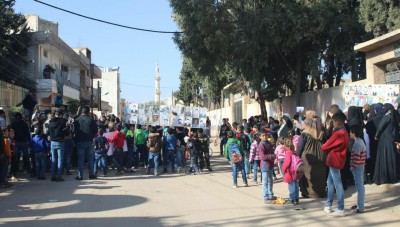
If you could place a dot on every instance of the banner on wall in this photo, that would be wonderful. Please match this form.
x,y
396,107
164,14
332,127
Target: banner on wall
x,y
359,95
174,116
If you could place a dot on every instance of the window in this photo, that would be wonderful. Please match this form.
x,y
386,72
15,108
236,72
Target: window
x,y
45,53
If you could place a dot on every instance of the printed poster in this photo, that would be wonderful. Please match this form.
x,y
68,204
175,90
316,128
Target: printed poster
x,y
359,95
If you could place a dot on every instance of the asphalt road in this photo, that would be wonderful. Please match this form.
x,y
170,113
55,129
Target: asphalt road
x,y
179,200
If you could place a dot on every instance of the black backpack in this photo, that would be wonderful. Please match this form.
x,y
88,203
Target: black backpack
x,y
102,145
245,141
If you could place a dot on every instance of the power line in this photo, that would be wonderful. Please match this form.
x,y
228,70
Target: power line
x,y
107,22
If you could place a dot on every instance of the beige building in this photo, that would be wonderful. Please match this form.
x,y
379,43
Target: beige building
x,y
110,88
380,52
57,67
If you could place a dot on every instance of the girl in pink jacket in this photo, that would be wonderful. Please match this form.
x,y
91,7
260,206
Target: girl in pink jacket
x,y
280,152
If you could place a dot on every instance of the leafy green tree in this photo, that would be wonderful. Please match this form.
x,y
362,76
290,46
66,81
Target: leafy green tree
x,y
380,17
14,38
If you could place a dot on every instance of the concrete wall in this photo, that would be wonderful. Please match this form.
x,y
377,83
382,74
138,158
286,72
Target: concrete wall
x,y
320,101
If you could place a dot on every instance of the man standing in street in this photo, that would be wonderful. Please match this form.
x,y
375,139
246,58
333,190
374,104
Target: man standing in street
x,y
85,131
21,136
57,127
222,135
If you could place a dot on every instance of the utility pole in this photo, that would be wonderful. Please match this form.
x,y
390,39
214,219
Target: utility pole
x,y
99,95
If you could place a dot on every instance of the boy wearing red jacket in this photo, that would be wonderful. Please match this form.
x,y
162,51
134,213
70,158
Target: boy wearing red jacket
x,y
118,140
336,147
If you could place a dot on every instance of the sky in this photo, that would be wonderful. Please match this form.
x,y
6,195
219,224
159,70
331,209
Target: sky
x,y
134,52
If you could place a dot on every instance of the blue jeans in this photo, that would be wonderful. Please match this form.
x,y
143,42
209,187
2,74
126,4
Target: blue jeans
x,y
267,184
335,181
40,159
57,155
178,158
22,148
67,159
102,158
169,157
247,163
294,190
153,161
256,164
235,168
85,150
358,174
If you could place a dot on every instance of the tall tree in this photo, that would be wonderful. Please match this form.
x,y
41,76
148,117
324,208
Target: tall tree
x,y
380,17
14,38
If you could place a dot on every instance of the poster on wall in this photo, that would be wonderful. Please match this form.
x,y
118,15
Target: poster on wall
x,y
188,122
203,121
188,111
203,112
176,118
196,112
133,108
142,119
141,108
359,95
155,120
164,115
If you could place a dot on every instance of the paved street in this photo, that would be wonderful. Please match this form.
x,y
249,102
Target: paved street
x,y
178,200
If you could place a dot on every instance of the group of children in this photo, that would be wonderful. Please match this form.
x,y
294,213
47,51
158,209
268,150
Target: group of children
x,y
266,151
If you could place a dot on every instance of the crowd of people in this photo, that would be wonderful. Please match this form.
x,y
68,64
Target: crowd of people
x,y
352,147
55,141
316,159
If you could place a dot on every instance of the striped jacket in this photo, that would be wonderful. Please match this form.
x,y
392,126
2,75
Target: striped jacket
x,y
254,155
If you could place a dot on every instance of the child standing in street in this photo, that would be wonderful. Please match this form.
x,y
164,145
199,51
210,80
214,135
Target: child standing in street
x,y
290,176
101,147
267,157
234,150
336,147
357,163
280,152
40,145
254,156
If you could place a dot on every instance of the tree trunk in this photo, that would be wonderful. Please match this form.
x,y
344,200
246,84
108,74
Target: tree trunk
x,y
339,73
319,82
354,75
263,107
331,70
299,59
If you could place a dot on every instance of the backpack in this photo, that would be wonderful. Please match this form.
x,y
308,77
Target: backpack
x,y
244,139
102,145
296,167
234,152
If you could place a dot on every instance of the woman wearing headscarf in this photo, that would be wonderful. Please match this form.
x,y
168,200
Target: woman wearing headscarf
x,y
285,127
373,122
386,133
313,182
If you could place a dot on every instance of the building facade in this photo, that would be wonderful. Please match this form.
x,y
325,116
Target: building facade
x,y
110,88
57,68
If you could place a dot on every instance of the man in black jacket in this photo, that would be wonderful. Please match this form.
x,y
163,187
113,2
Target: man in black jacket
x,y
85,130
22,136
57,128
222,135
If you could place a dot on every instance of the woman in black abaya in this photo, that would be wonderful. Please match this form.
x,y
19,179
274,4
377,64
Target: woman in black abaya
x,y
386,133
